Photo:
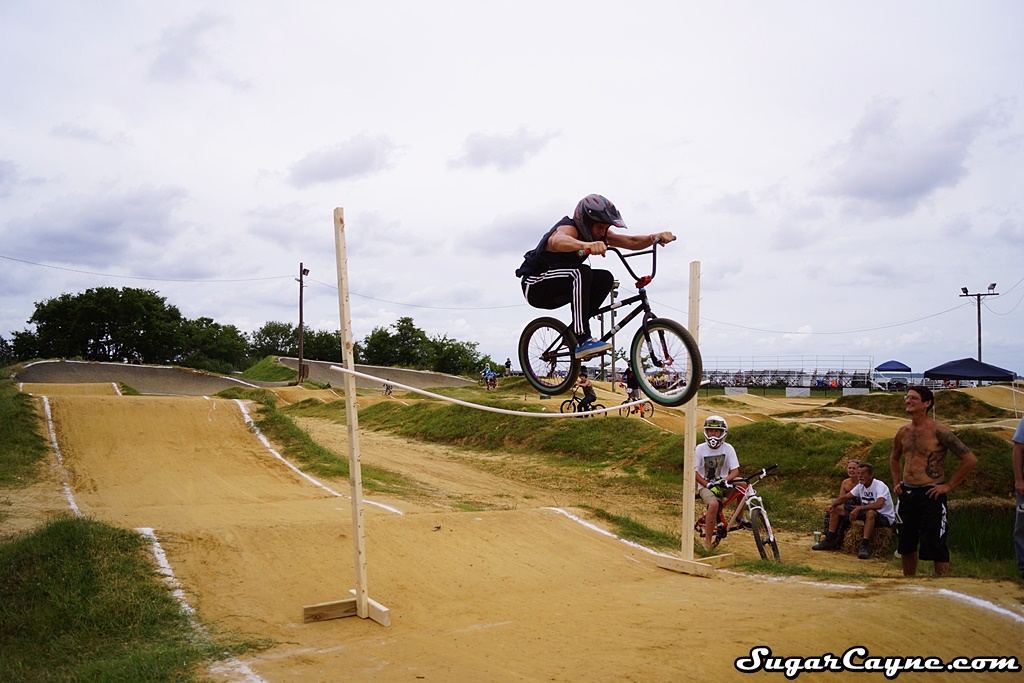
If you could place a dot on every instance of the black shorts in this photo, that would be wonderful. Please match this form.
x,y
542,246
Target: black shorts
x,y
924,521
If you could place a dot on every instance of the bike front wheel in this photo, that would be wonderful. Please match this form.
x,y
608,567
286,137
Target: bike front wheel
x,y
624,411
666,362
763,536
568,406
547,354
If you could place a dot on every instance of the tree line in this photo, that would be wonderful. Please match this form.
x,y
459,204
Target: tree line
x,y
138,325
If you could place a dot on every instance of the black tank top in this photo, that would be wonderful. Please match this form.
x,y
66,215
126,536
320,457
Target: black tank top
x,y
538,259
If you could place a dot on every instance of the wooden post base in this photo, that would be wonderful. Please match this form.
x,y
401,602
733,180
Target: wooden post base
x,y
702,568
345,608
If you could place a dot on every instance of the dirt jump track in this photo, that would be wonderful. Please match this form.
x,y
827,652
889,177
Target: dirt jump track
x,y
523,590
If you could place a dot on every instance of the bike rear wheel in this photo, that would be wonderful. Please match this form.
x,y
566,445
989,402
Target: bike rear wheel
x,y
666,362
647,409
762,537
596,406
547,351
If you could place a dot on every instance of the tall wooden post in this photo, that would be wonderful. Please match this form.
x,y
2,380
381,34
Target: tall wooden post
x,y
361,605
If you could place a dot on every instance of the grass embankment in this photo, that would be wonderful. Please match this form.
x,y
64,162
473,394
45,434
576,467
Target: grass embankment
x,y
81,600
269,370
811,459
296,445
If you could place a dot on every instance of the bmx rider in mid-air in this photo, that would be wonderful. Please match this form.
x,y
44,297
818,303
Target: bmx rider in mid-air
x,y
554,274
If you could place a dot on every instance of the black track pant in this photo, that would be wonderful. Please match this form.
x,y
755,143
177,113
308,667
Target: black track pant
x,y
582,287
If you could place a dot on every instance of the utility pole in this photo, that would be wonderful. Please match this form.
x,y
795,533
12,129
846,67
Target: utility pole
x,y
302,273
977,295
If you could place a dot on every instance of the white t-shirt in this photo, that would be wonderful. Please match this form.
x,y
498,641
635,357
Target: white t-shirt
x,y
870,494
715,463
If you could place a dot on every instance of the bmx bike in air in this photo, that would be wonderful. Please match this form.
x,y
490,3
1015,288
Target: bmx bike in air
x,y
663,354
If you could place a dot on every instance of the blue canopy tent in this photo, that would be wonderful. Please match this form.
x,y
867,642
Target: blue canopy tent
x,y
892,366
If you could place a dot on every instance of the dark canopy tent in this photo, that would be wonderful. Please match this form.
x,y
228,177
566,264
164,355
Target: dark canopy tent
x,y
969,369
893,366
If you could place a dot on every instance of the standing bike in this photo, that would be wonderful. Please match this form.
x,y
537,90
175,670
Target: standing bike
x,y
662,354
746,499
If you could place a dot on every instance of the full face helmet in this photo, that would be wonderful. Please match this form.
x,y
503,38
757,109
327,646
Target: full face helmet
x,y
595,209
715,422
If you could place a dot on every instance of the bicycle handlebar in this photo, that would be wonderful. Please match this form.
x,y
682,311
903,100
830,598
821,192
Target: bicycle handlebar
x,y
761,474
641,281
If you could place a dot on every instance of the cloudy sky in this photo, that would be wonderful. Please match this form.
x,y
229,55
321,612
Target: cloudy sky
x,y
839,170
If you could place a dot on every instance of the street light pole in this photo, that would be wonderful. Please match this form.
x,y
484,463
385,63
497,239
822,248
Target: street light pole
x,y
302,273
977,295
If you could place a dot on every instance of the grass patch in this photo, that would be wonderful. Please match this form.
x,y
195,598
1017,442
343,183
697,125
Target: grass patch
x,y
22,447
82,601
269,370
298,446
628,528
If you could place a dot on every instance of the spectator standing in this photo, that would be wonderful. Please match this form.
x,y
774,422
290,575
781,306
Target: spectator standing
x,y
919,479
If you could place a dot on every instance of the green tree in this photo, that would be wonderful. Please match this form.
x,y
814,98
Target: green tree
x,y
211,346
275,339
455,357
407,347
322,345
103,324
6,352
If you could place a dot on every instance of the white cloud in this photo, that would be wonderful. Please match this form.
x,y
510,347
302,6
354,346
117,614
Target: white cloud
x,y
358,157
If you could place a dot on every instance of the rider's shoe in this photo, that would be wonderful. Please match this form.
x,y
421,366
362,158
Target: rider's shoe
x,y
590,346
745,523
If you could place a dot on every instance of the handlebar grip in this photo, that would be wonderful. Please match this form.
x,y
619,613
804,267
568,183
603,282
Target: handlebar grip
x,y
583,252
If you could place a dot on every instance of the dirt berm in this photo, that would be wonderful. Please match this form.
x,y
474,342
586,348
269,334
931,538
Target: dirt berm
x,y
488,573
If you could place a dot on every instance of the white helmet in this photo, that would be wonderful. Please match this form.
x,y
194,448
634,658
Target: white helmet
x,y
715,422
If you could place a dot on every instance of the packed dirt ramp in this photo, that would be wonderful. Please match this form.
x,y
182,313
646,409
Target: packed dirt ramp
x,y
519,591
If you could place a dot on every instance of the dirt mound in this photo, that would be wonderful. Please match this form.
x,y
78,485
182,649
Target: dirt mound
x,y
480,587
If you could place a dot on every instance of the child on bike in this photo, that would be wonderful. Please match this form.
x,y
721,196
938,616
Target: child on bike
x,y
632,385
717,464
589,395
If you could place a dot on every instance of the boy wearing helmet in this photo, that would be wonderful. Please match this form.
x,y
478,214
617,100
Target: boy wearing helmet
x,y
717,464
554,274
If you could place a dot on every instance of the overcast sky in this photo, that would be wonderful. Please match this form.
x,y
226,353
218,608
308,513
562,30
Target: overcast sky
x,y
839,170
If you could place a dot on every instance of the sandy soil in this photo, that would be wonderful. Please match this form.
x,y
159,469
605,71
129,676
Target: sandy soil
x,y
486,575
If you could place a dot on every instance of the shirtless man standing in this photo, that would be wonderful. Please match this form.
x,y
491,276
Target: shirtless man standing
x,y
921,482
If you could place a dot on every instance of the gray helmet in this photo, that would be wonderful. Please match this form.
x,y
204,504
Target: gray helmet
x,y
595,209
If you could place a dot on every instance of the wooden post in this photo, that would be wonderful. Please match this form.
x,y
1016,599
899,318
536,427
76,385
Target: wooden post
x,y
687,565
361,605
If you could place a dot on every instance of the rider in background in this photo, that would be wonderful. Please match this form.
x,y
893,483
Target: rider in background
x,y
632,385
554,274
589,395
717,464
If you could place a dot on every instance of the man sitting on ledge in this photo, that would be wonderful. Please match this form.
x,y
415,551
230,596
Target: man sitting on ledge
x,y
875,507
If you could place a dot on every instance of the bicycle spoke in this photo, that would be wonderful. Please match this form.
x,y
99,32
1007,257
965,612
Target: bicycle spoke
x,y
546,354
666,362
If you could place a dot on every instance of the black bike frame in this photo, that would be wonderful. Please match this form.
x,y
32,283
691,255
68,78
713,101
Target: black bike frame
x,y
639,297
